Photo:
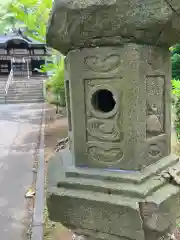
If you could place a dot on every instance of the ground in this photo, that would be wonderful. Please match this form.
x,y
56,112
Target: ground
x,y
55,129
20,129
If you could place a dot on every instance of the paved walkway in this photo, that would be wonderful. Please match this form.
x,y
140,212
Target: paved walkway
x,y
19,133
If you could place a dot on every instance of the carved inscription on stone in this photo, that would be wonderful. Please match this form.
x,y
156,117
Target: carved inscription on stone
x,y
104,121
102,64
155,105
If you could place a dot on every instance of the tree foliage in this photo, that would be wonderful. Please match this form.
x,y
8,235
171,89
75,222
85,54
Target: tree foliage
x,y
176,88
56,82
7,20
176,61
33,15
176,95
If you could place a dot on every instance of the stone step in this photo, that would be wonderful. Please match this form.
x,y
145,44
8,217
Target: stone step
x,y
25,101
24,88
31,77
24,95
26,84
27,90
96,185
32,80
24,98
16,91
28,80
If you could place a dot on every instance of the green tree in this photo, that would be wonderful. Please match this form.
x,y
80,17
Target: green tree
x,y
175,61
7,20
33,15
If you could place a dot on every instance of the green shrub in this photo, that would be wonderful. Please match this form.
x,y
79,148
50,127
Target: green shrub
x,y
176,87
176,102
55,84
175,50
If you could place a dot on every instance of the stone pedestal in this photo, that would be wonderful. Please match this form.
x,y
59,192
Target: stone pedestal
x,y
118,179
102,204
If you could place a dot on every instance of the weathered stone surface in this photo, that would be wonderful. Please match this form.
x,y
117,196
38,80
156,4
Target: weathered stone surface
x,y
87,23
108,185
117,180
119,134
77,201
121,120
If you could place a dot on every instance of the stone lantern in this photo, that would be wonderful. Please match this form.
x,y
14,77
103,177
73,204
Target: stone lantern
x,y
118,179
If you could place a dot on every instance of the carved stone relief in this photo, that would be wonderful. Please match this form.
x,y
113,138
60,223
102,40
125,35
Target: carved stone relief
x,y
102,64
105,153
155,149
104,126
104,129
155,105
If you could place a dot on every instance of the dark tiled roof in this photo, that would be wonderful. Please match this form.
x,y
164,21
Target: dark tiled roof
x,y
5,39
13,36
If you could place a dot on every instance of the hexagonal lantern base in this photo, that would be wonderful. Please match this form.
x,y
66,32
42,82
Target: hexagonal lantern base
x,y
116,205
